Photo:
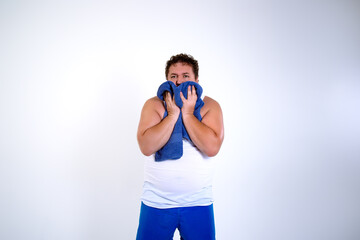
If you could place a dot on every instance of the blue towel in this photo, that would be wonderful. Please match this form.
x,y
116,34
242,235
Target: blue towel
x,y
173,149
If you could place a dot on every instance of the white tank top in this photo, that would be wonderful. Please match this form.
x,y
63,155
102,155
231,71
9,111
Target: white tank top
x,y
183,182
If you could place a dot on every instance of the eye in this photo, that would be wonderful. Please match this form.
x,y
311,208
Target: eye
x,y
173,76
186,76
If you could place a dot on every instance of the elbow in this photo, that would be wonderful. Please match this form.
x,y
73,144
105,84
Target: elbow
x,y
211,154
213,150
146,150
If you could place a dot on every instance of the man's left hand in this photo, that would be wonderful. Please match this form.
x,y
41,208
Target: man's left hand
x,y
189,103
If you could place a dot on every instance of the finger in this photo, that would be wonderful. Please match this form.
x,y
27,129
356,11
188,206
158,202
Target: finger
x,y
168,98
172,99
182,96
195,94
191,92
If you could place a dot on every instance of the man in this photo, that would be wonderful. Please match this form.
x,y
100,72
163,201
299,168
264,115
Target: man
x,y
178,193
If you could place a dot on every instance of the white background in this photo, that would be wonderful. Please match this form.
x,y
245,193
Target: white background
x,y
75,74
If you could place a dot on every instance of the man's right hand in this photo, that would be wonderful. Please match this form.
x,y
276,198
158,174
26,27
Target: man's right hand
x,y
172,109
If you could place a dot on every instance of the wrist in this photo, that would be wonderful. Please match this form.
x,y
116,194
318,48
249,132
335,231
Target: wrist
x,y
187,114
173,116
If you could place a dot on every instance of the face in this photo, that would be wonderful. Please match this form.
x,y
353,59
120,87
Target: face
x,y
181,72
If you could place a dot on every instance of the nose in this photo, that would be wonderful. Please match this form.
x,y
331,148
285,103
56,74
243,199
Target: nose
x,y
179,81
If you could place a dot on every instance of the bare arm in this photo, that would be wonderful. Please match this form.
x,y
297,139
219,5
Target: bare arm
x,y
208,134
153,131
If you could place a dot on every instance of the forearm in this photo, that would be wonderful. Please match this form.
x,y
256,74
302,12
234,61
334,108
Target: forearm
x,y
155,137
204,138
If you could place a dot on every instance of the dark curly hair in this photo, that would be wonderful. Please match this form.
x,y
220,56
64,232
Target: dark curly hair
x,y
183,58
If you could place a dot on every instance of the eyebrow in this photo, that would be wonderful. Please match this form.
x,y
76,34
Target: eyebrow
x,y
177,74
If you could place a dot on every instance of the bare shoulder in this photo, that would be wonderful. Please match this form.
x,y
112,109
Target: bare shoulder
x,y
154,104
210,104
155,101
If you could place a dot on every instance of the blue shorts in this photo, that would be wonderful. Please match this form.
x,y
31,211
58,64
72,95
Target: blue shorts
x,y
193,223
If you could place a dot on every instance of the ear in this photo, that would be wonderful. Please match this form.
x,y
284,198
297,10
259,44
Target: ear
x,y
197,80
